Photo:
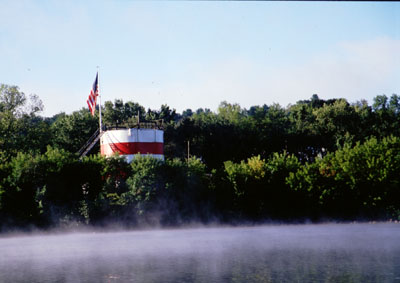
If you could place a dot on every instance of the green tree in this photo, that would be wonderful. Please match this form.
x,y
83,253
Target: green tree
x,y
260,187
353,181
231,112
70,132
337,123
145,184
20,127
123,114
386,115
169,192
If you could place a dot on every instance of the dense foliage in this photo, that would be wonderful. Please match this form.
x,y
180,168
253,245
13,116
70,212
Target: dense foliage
x,y
317,159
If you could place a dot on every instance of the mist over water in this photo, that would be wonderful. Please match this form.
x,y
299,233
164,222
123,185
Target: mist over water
x,y
281,253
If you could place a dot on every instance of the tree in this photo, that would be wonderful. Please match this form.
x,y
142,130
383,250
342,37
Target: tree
x,y
168,115
258,112
337,123
260,189
123,114
380,102
231,112
71,132
360,180
19,122
385,115
11,100
187,113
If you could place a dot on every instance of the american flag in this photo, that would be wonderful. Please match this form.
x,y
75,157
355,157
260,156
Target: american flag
x,y
91,101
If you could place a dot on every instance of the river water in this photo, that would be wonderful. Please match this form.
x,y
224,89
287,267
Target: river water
x,y
276,253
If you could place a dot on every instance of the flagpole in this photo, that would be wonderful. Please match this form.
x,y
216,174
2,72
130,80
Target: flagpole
x,y
100,124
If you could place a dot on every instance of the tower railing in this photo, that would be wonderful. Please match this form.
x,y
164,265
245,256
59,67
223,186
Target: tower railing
x,y
155,124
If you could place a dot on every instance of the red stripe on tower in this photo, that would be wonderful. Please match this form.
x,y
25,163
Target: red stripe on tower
x,y
132,148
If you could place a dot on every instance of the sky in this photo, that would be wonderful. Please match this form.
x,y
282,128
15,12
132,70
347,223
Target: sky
x,y
196,54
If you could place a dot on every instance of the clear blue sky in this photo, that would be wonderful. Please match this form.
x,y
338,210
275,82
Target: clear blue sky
x,y
197,54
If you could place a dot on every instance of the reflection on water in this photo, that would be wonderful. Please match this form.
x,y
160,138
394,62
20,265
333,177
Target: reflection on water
x,y
294,253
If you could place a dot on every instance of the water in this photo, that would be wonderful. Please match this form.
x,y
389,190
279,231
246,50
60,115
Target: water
x,y
287,253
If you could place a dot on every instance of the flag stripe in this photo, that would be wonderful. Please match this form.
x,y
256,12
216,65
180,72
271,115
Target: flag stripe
x,y
91,101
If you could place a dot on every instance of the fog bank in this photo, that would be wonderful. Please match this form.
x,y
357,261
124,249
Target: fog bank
x,y
324,252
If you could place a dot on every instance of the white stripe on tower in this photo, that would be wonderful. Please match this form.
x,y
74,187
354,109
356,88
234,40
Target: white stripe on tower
x,y
135,135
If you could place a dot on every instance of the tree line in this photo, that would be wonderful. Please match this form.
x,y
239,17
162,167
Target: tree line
x,y
316,159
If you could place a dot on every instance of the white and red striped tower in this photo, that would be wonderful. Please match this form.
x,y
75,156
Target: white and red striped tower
x,y
133,141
